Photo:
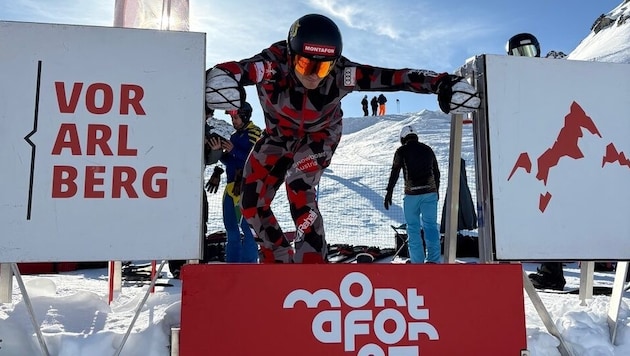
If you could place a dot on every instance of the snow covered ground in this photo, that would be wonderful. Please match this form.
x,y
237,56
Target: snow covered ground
x,y
75,318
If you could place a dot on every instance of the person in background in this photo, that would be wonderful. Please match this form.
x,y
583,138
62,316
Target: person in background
x,y
374,104
235,152
300,83
549,275
364,105
381,104
212,153
420,204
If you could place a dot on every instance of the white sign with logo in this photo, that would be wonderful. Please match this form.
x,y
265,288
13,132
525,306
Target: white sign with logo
x,y
102,143
559,149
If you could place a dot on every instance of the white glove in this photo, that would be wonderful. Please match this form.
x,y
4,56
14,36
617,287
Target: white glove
x,y
223,91
456,95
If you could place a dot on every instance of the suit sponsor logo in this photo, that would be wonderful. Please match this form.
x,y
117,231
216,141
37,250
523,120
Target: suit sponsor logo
x,y
301,229
260,71
350,76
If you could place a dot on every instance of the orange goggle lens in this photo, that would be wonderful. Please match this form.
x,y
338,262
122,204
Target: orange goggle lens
x,y
307,66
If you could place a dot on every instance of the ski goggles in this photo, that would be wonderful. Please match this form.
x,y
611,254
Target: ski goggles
x,y
528,50
306,66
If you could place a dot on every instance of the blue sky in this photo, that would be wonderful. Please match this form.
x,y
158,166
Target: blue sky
x,y
422,34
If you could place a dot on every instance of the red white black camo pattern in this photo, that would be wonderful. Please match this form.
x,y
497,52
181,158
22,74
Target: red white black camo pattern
x,y
303,129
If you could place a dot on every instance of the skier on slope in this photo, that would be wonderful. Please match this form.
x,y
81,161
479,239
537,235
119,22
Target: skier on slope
x,y
422,184
300,84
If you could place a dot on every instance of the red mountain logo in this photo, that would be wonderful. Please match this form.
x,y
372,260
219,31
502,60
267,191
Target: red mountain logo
x,y
566,145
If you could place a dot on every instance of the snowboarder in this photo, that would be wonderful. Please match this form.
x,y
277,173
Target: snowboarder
x,y
300,83
235,152
422,184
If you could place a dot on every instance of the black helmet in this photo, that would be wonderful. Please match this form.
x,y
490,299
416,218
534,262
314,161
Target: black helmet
x,y
315,36
523,44
244,112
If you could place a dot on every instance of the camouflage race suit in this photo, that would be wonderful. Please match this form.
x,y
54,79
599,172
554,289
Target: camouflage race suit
x,y
303,129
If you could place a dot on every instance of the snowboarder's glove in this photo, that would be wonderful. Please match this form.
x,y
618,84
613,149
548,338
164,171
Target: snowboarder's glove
x,y
388,199
238,180
456,95
223,91
213,183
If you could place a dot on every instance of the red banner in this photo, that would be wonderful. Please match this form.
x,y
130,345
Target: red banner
x,y
351,309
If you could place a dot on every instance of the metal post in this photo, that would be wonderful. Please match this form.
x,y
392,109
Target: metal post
x,y
615,299
564,348
482,166
29,307
6,283
115,279
139,309
587,269
175,341
452,190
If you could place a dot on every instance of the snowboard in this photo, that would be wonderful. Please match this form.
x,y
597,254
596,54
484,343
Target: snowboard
x,y
340,253
597,290
358,254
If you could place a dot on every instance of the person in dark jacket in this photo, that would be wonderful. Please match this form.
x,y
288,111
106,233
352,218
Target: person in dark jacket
x,y
422,183
364,105
374,104
300,83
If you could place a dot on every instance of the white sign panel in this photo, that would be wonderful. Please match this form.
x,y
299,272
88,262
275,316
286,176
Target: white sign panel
x,y
102,142
559,137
